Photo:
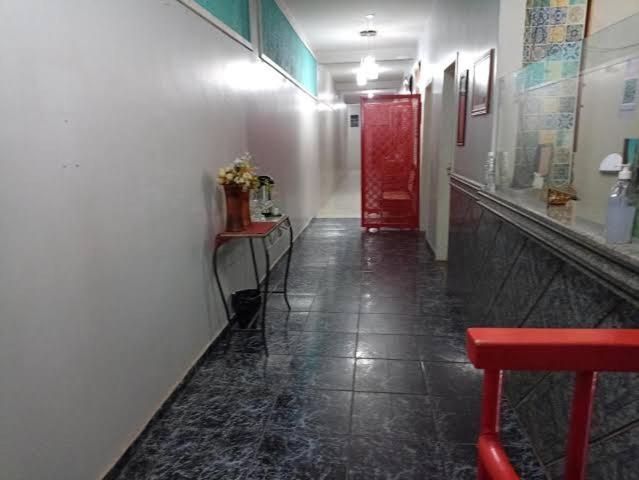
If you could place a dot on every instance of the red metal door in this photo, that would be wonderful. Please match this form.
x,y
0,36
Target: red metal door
x,y
390,161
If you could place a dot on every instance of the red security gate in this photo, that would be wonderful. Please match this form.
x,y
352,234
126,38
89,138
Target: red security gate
x,y
390,161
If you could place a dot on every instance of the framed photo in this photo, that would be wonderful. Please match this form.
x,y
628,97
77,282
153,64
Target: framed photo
x,y
482,84
462,108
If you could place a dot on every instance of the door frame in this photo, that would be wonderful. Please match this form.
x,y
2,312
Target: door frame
x,y
442,158
363,101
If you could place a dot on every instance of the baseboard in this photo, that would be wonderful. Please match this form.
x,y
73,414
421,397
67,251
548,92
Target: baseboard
x,y
116,468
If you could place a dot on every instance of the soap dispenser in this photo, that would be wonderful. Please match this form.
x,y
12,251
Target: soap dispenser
x,y
621,209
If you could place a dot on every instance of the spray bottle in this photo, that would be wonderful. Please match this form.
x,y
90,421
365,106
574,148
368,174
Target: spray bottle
x,y
621,209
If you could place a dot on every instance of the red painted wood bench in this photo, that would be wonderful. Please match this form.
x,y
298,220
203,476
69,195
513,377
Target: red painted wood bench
x,y
582,351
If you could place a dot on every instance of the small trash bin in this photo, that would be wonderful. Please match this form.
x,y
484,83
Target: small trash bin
x,y
245,304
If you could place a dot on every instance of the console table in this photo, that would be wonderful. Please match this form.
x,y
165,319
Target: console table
x,y
256,231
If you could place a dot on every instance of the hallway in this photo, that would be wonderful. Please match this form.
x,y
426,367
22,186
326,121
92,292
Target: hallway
x,y
366,379
346,200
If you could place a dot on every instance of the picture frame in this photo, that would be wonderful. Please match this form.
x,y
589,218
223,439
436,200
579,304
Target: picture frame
x,y
482,84
462,108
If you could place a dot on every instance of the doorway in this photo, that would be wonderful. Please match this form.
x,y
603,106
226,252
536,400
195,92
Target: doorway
x,y
438,157
390,161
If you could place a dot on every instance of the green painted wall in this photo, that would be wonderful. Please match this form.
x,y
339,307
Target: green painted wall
x,y
282,45
234,13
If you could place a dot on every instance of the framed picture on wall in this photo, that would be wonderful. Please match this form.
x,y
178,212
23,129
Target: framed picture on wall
x,y
462,108
482,84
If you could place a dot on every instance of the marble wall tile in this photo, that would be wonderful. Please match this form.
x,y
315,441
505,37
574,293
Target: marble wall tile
x,y
572,300
498,262
483,244
531,273
615,459
617,398
545,415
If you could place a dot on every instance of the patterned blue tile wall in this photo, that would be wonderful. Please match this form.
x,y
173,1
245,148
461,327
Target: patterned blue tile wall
x,y
525,285
547,88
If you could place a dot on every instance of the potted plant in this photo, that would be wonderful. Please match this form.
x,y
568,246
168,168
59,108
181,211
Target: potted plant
x,y
237,180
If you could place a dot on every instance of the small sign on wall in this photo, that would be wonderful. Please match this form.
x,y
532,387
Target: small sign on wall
x,y
354,121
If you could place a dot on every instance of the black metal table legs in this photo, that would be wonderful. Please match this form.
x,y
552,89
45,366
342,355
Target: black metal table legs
x,y
263,288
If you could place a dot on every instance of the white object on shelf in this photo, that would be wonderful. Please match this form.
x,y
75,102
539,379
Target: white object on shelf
x,y
612,163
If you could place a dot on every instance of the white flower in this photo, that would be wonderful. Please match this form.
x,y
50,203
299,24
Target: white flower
x,y
229,176
222,172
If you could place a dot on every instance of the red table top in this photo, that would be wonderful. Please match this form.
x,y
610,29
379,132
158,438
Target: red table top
x,y
255,230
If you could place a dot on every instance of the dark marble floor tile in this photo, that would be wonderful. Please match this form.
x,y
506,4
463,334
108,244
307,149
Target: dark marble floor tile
x,y
304,286
319,411
336,304
280,342
222,407
322,372
393,324
244,369
334,290
393,347
446,326
388,289
443,348
394,305
454,380
375,458
293,455
442,305
299,303
457,419
329,344
147,453
332,322
286,321
393,415
461,462
396,376
201,453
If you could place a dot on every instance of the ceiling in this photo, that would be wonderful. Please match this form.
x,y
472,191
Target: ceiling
x,y
331,28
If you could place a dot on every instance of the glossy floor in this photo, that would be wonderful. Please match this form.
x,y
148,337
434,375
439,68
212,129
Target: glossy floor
x,y
367,378
346,200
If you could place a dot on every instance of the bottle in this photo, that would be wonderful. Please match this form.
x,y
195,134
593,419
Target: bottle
x,y
621,209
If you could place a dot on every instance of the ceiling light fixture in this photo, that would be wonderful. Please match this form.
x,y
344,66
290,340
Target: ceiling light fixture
x,y
368,68
362,80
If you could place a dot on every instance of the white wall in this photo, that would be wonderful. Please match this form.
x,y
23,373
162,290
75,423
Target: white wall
x,y
512,25
604,13
462,31
470,28
353,139
603,125
115,117
331,152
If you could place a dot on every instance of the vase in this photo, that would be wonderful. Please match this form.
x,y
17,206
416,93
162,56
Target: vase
x,y
246,209
233,194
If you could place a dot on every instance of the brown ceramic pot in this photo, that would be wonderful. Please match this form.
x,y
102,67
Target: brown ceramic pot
x,y
233,195
246,209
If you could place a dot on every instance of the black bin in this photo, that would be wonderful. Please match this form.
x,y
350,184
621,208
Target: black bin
x,y
246,304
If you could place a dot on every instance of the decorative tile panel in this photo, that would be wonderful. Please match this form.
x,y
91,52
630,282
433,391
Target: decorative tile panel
x,y
552,56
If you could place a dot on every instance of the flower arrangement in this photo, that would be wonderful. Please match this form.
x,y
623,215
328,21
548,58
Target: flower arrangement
x,y
240,173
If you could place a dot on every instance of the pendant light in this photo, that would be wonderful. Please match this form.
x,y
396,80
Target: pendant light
x,y
368,68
